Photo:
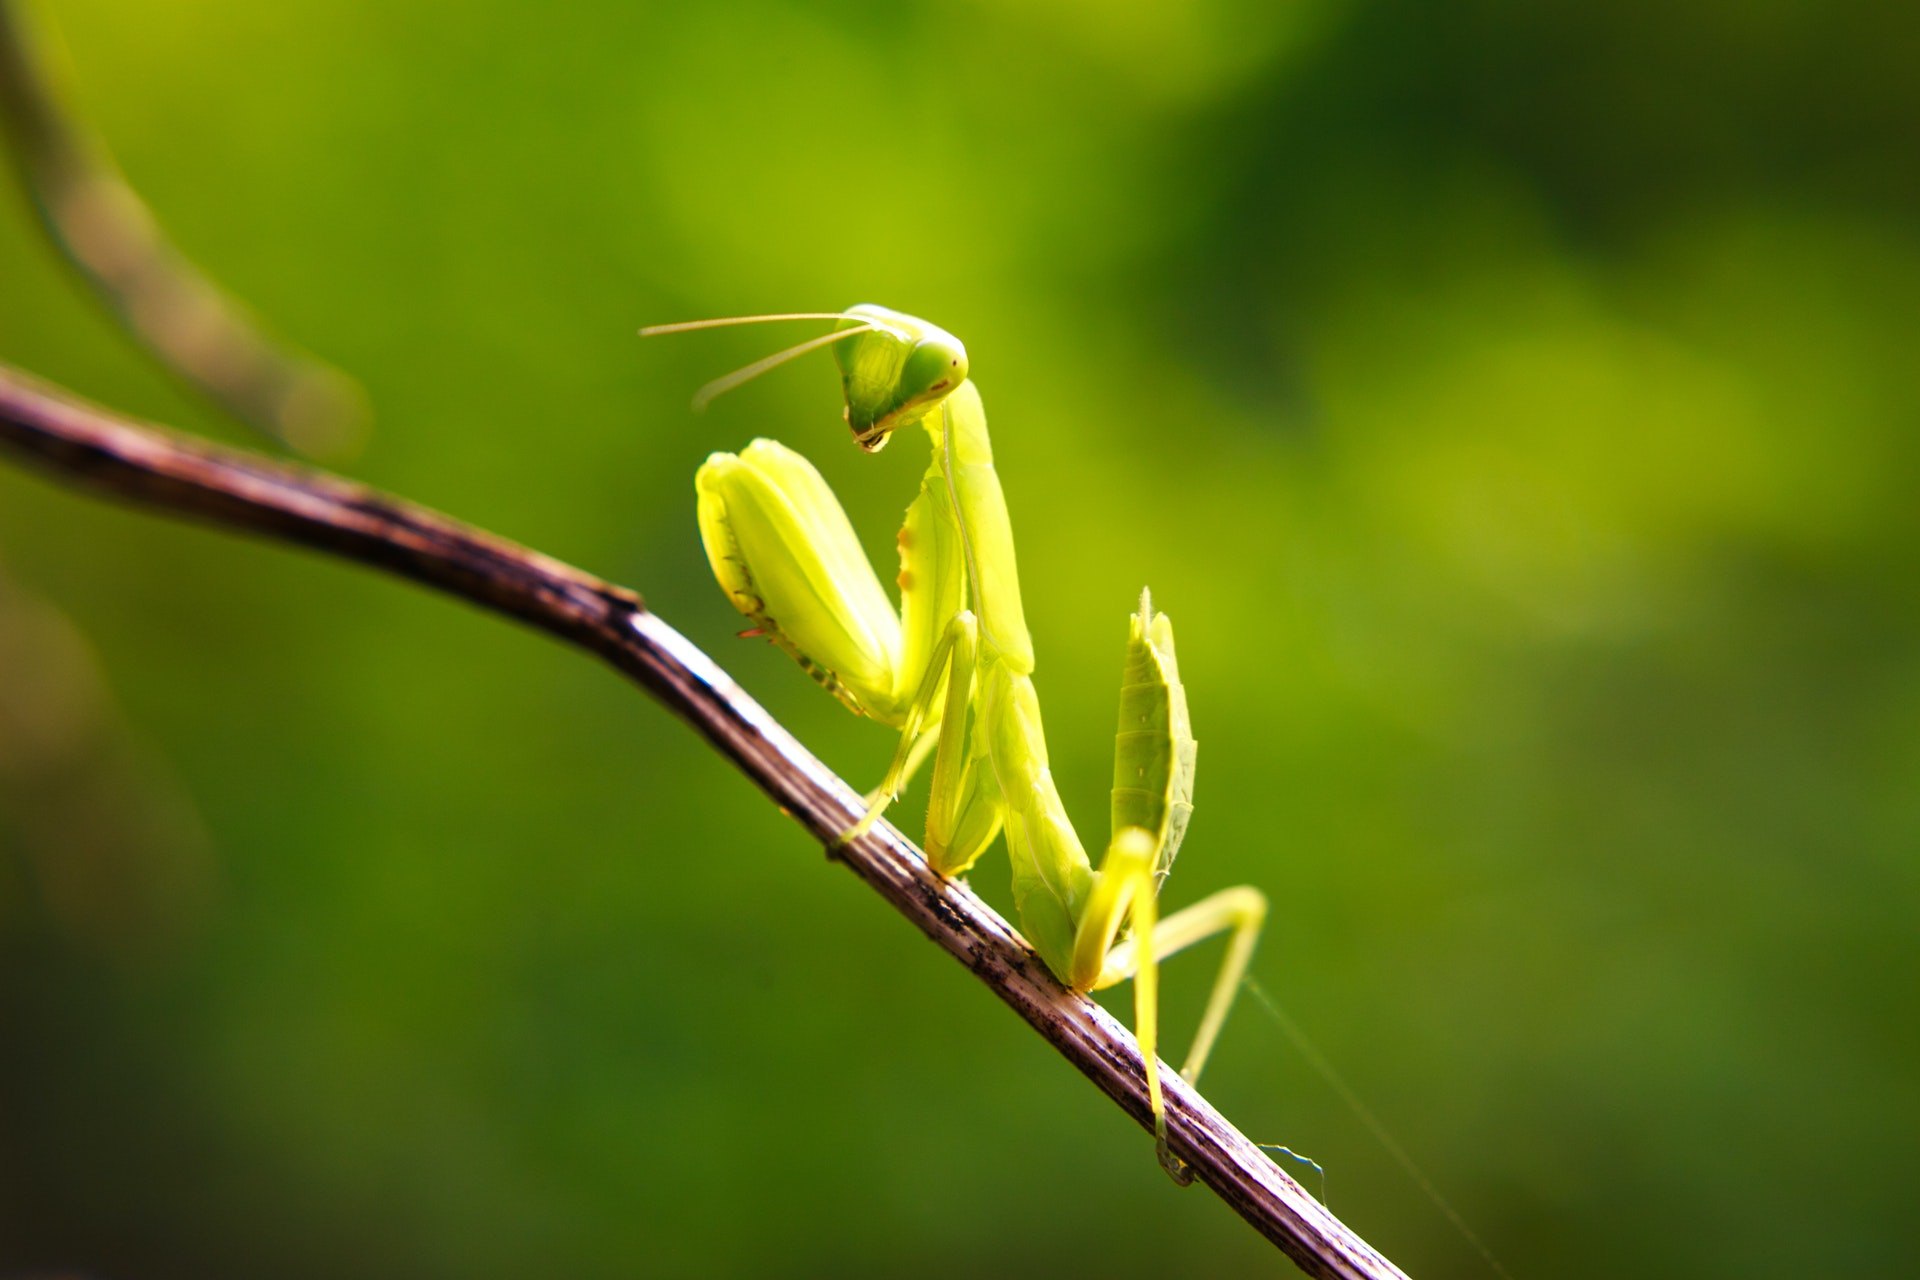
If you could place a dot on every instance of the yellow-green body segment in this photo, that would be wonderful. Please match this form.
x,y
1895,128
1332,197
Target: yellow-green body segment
x,y
952,669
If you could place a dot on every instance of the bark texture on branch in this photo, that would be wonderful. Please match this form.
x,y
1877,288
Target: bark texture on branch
x,y
148,465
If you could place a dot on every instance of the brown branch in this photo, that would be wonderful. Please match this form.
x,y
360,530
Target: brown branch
x,y
148,465
190,325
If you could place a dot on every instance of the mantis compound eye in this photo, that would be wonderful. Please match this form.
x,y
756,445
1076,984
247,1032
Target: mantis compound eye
x,y
933,369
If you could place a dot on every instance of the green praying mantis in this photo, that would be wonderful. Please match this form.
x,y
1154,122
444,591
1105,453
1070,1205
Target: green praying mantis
x,y
952,672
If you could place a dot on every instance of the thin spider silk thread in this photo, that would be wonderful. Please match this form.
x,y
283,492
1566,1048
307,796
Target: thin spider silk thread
x,y
1318,1061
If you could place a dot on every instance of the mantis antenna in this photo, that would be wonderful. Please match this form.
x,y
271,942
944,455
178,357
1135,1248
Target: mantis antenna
x,y
720,386
688,326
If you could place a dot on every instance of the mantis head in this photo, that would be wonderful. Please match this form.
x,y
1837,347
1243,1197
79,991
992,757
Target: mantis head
x,y
894,368
895,371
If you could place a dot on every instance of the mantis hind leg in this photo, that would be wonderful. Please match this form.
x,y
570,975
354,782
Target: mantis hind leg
x,y
1125,888
1241,911
1123,891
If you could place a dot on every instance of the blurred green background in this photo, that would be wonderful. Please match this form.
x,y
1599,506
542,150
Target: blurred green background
x,y
1516,407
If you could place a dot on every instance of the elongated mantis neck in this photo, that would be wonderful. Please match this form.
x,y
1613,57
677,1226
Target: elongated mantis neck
x,y
964,455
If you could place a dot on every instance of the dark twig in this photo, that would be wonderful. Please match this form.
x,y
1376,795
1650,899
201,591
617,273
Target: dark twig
x,y
92,447
192,326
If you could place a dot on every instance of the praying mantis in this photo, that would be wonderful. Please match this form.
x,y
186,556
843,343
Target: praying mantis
x,y
952,672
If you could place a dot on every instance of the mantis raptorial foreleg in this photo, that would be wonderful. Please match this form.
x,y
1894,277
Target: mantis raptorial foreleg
x,y
954,669
781,545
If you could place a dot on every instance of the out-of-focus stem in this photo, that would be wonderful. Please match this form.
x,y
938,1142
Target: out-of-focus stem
x,y
200,332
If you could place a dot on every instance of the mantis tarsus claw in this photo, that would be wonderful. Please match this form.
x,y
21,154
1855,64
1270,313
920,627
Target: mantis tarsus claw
x,y
1179,1170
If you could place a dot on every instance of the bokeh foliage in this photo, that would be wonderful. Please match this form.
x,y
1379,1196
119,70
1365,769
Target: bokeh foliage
x,y
1514,405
